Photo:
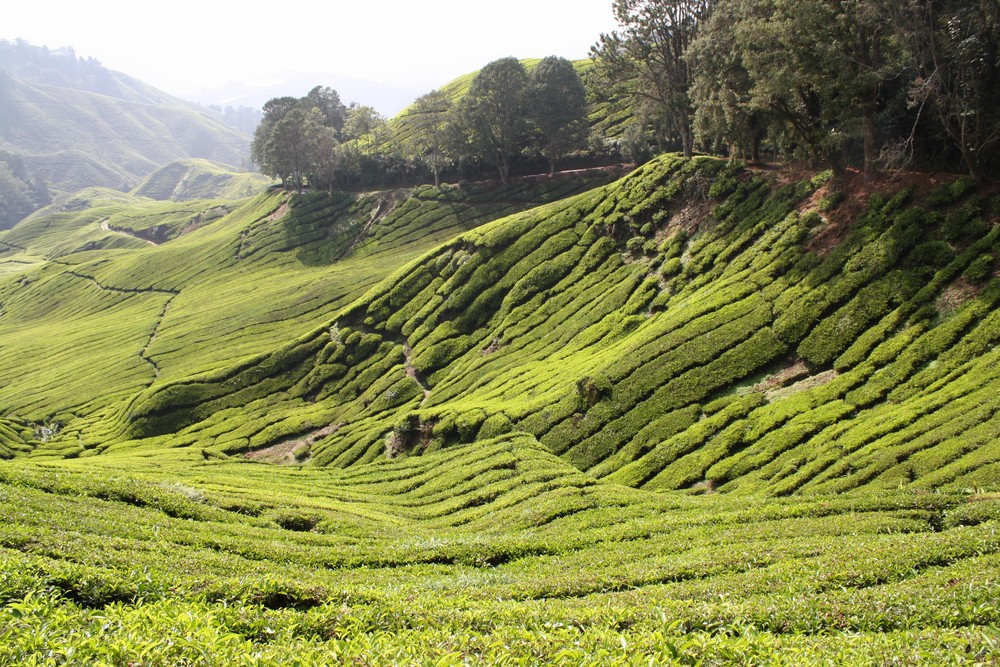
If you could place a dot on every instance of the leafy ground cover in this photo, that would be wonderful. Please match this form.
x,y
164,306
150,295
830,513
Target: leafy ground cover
x,y
84,294
698,415
690,326
498,553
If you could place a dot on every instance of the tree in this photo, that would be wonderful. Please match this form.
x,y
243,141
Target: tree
x,y
954,51
297,138
365,126
430,117
327,102
263,149
493,113
557,104
646,62
817,69
721,89
325,164
294,145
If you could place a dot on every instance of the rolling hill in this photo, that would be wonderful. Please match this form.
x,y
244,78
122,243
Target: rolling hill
x,y
746,337
692,414
200,179
79,125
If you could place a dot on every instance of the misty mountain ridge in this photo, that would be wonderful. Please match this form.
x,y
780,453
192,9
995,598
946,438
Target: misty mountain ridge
x,y
77,124
254,92
62,68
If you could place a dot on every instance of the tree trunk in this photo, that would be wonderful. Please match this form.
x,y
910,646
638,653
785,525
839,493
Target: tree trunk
x,y
869,133
687,139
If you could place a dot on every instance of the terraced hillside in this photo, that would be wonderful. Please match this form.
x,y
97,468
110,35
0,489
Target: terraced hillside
x,y
200,179
138,293
498,553
691,326
692,416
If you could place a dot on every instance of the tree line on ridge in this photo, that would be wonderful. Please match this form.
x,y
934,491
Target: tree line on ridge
x,y
880,85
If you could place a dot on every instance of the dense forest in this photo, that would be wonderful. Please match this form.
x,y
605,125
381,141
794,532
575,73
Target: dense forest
x,y
876,86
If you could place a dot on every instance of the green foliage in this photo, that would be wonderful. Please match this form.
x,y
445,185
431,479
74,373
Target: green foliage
x,y
493,115
486,554
980,269
557,108
476,384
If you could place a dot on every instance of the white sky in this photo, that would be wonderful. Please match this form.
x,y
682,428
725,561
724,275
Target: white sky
x,y
183,46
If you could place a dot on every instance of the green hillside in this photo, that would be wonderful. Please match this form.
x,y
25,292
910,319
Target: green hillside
x,y
698,415
690,326
76,124
494,554
142,291
200,179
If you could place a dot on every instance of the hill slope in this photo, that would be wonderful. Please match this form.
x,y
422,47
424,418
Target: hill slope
x,y
687,326
139,292
78,124
483,377
200,179
488,554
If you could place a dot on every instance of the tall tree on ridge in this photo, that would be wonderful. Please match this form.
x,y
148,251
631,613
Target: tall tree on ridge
x,y
557,104
429,142
646,61
493,113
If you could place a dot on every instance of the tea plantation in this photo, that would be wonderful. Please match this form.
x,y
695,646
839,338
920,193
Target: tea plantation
x,y
697,415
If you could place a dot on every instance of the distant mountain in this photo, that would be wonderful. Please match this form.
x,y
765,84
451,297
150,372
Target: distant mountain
x,y
77,124
387,100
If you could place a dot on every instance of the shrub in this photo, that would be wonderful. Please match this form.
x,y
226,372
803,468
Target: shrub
x,y
297,519
980,269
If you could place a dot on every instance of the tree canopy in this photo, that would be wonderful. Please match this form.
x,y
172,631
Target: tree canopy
x,y
557,108
874,83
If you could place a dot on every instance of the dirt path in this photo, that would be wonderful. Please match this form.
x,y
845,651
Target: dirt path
x,y
411,370
291,452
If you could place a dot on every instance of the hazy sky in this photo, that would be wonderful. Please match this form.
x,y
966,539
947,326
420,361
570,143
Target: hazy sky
x,y
183,46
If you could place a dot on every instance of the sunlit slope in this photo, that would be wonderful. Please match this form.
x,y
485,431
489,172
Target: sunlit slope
x,y
688,326
479,554
200,179
100,303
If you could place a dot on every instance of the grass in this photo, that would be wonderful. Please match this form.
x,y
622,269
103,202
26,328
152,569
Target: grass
x,y
507,324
